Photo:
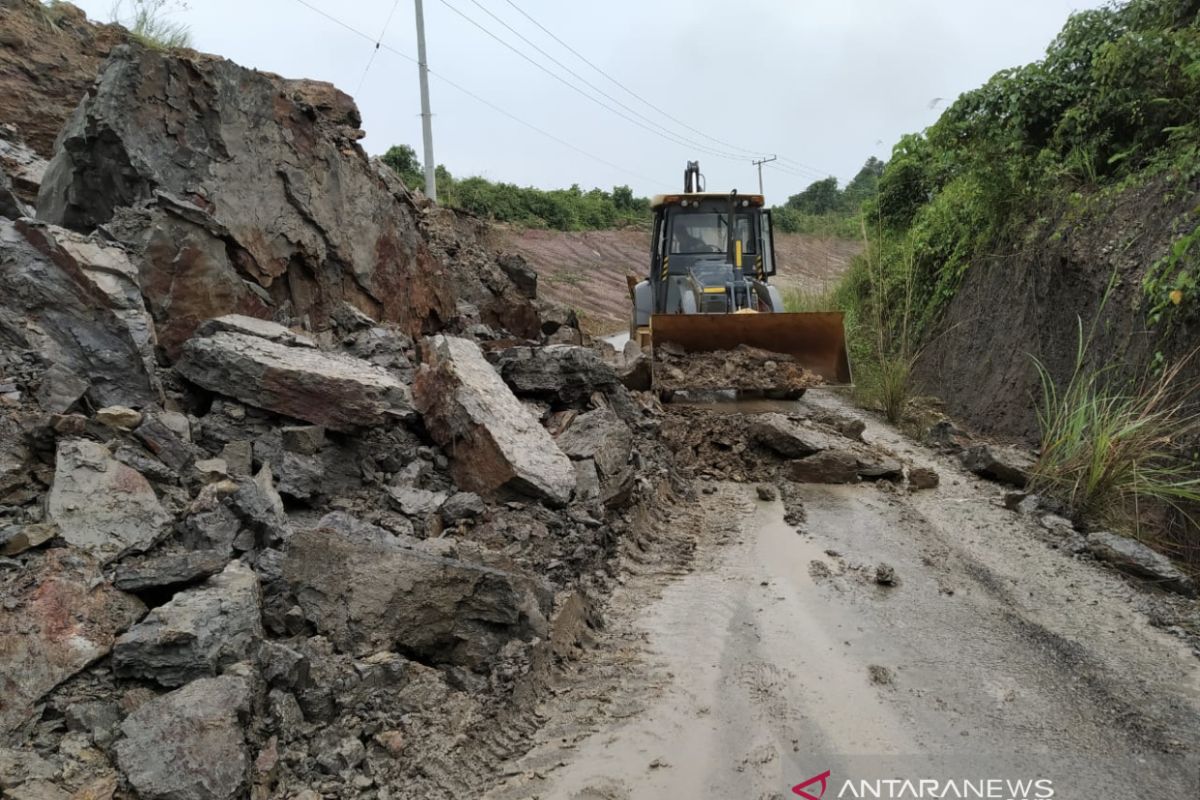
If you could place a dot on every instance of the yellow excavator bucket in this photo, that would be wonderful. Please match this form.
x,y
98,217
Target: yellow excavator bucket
x,y
817,340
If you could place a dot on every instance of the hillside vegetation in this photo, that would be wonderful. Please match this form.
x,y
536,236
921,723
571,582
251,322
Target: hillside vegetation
x,y
822,209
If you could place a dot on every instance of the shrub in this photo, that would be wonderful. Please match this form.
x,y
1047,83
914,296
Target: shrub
x,y
148,21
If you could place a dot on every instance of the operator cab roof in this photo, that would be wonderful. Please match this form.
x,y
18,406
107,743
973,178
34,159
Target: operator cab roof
x,y
663,200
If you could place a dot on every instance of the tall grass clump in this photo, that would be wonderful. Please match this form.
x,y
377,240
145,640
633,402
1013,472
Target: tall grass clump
x,y
1112,449
149,22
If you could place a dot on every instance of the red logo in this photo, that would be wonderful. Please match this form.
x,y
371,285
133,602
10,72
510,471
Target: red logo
x,y
822,779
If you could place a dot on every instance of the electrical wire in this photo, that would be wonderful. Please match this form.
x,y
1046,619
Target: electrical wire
x,y
449,82
375,50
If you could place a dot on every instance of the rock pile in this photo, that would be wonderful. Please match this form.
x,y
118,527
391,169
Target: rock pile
x,y
294,496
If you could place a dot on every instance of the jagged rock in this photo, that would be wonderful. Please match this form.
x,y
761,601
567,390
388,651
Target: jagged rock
x,y
494,442
304,439
337,391
21,166
284,666
10,204
601,436
16,539
83,316
416,502
171,569
253,326
189,744
361,587
827,466
120,417
211,470
945,436
301,477
850,427
880,469
998,463
1135,558
58,616
100,505
885,575
60,389
636,373
161,440
523,276
920,478
324,229
787,438
766,492
587,480
563,371
238,458
197,633
462,506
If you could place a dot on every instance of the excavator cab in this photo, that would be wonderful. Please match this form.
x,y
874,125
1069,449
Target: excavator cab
x,y
708,289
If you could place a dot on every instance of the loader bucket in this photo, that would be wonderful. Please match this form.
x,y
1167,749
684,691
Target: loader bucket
x,y
816,340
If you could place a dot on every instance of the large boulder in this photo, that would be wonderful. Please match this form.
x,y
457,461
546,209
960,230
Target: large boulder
x,y
189,744
600,437
196,634
999,463
789,438
243,193
100,505
494,441
59,615
338,391
75,300
368,590
561,371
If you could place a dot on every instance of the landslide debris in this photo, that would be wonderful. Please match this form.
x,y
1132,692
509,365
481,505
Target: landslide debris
x,y
746,368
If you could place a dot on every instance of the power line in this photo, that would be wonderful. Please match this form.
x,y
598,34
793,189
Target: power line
x,y
478,98
670,137
375,50
632,93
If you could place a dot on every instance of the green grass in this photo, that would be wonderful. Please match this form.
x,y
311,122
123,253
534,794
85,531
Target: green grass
x,y
1109,451
802,300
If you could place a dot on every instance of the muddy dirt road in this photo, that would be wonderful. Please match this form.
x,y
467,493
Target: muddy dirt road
x,y
780,655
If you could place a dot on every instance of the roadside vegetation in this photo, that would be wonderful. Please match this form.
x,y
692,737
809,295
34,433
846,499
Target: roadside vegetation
x,y
570,209
151,23
825,210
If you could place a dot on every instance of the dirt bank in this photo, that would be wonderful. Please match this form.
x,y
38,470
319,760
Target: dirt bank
x,y
586,270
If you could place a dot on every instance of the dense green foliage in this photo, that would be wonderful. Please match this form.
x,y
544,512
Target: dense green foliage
x,y
1113,102
561,209
825,210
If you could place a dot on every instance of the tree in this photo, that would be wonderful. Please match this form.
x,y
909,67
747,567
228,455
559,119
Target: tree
x,y
403,160
821,197
864,185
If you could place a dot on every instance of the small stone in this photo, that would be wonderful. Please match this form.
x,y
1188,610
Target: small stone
x,y
121,417
880,676
766,492
239,457
19,538
885,575
211,470
392,741
920,478
303,439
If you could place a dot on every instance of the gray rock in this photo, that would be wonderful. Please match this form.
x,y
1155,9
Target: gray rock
x,y
239,458
100,505
766,492
495,444
340,392
211,470
16,539
138,459
53,301
10,205
566,372
416,502
171,569
364,590
188,744
850,427
829,466
58,616
253,326
523,276
587,480
999,463
601,436
787,438
121,417
165,443
462,506
199,632
306,440
283,666
60,389
1135,558
325,229
880,469
300,476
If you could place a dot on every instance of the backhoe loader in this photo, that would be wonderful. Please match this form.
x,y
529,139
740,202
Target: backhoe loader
x,y
707,290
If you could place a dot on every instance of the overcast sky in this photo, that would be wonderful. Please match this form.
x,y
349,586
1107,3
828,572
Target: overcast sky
x,y
822,83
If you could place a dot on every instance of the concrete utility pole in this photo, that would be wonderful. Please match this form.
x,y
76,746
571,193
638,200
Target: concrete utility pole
x,y
426,116
756,163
